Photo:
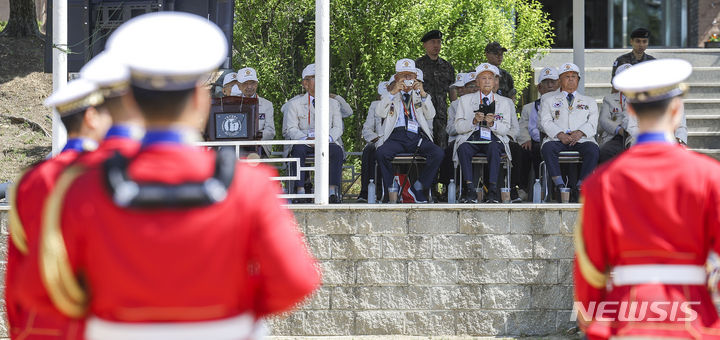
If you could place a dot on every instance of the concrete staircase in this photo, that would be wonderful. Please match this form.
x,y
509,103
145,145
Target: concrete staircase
x,y
702,104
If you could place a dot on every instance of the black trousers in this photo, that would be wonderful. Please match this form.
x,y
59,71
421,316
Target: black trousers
x,y
588,150
522,161
336,161
403,141
612,148
447,168
368,163
492,150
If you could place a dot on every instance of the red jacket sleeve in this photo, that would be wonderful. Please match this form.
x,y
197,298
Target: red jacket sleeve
x,y
590,260
287,271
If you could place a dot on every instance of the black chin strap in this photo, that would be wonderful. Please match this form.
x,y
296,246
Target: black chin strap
x,y
130,194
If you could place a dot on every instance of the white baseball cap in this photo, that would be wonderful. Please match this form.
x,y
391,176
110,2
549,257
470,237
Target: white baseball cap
x,y
485,67
308,71
621,68
548,73
419,75
229,78
246,74
569,67
405,65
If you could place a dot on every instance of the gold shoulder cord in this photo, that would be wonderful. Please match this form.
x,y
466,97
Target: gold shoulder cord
x,y
17,230
57,273
592,275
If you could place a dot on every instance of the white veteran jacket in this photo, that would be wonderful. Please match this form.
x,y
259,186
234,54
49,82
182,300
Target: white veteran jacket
x,y
613,113
373,124
469,103
524,133
681,132
391,106
266,122
452,113
299,119
556,116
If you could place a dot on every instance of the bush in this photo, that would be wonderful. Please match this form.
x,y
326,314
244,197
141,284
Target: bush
x,y
276,37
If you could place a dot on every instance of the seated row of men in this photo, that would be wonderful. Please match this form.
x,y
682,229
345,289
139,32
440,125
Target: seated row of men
x,y
480,122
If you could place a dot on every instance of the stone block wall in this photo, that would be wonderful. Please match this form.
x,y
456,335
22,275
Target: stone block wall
x,y
443,270
481,270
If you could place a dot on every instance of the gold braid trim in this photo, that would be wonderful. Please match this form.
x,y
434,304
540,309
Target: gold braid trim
x,y
591,274
63,287
17,230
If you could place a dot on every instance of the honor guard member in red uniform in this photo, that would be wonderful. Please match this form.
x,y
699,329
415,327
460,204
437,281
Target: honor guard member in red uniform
x,y
176,242
76,104
408,114
113,78
649,219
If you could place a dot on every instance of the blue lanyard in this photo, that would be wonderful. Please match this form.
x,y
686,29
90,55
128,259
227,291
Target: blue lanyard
x,y
78,144
123,131
179,137
653,137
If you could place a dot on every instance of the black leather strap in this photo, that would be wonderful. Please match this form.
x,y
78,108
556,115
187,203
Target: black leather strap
x,y
130,194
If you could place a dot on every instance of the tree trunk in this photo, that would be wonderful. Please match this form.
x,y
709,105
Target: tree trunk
x,y
22,22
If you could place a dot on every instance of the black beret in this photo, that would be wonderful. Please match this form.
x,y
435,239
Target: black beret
x,y
494,47
434,34
640,33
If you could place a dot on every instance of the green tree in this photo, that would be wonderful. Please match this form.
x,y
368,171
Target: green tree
x,y
367,36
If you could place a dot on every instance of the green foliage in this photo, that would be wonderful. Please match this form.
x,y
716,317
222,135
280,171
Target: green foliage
x,y
2,25
368,36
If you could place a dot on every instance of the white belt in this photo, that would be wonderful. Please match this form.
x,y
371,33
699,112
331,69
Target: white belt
x,y
235,328
659,273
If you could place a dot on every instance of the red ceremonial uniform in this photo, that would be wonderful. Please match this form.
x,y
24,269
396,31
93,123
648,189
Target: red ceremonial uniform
x,y
26,320
118,139
241,255
656,206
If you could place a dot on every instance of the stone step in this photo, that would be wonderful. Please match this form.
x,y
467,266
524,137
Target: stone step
x,y
697,90
713,153
693,107
602,75
704,140
606,57
703,123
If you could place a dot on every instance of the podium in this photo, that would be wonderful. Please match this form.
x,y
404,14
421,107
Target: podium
x,y
233,118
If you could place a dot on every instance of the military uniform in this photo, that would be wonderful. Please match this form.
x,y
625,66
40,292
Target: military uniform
x,y
629,58
241,255
647,225
507,84
29,320
439,75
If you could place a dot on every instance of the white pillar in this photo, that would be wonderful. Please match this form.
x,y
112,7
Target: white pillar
x,y
59,135
322,100
579,40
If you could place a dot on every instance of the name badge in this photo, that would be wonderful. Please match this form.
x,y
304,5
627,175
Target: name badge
x,y
413,126
485,133
311,133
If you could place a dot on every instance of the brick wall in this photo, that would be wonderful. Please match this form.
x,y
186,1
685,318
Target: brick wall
x,y
485,270
430,270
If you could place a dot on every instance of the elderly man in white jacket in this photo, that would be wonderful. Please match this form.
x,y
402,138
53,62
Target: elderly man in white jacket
x,y
570,122
482,124
408,112
299,124
248,84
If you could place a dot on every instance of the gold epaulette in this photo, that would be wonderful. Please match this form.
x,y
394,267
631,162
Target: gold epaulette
x,y
58,277
592,275
17,230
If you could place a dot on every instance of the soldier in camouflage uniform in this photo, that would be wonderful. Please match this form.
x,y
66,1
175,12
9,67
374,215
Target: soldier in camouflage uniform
x,y
494,54
439,75
639,39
